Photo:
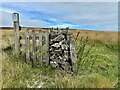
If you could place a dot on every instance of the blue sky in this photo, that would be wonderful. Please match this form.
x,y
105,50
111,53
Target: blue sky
x,y
77,15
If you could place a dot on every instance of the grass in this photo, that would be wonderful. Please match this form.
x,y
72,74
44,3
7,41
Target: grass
x,y
98,68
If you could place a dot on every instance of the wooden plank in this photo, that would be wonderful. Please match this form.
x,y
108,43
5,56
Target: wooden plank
x,y
73,55
15,17
27,45
34,61
40,48
47,47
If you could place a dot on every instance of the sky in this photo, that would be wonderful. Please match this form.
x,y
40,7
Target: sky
x,y
101,16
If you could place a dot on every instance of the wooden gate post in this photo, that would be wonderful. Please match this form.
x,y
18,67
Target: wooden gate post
x,y
73,55
15,17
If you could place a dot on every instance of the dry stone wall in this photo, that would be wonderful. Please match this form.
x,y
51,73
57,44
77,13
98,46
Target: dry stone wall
x,y
59,49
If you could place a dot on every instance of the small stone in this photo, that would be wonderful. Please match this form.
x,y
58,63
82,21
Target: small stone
x,y
64,47
58,38
53,35
56,52
60,57
52,42
53,64
65,65
64,59
56,45
52,57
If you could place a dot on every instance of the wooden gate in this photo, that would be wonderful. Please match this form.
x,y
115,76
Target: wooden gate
x,y
55,47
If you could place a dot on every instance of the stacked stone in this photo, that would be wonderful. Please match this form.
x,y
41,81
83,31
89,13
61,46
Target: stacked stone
x,y
59,50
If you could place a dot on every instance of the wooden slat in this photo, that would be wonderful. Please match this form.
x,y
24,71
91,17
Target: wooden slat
x,y
73,55
47,47
27,45
40,48
34,61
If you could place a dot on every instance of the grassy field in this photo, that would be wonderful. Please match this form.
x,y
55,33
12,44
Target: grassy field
x,y
97,64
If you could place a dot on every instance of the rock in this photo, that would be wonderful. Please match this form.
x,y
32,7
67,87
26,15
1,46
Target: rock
x,y
64,59
60,57
53,64
64,47
58,38
51,49
56,45
53,35
59,46
52,57
56,52
52,42
65,65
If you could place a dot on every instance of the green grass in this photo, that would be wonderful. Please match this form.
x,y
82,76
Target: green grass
x,y
97,68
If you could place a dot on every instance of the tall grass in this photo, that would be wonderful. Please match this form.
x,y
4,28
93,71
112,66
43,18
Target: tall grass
x,y
97,68
85,58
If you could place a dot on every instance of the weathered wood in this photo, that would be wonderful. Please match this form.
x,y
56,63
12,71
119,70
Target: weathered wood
x,y
51,30
34,61
67,30
57,29
27,45
16,33
40,48
47,47
73,55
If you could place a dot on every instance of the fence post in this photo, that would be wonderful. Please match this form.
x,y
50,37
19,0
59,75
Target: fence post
x,y
67,28
15,17
40,48
73,55
27,45
34,48
47,47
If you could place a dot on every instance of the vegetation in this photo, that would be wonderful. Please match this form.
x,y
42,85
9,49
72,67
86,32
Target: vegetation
x,y
97,67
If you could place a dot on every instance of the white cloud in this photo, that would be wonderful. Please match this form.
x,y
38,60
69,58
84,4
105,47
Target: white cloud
x,y
7,10
64,25
61,14
6,17
52,19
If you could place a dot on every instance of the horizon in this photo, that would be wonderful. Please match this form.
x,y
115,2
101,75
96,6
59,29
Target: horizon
x,y
100,16
2,28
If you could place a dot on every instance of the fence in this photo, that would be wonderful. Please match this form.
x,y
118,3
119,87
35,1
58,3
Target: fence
x,y
59,47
